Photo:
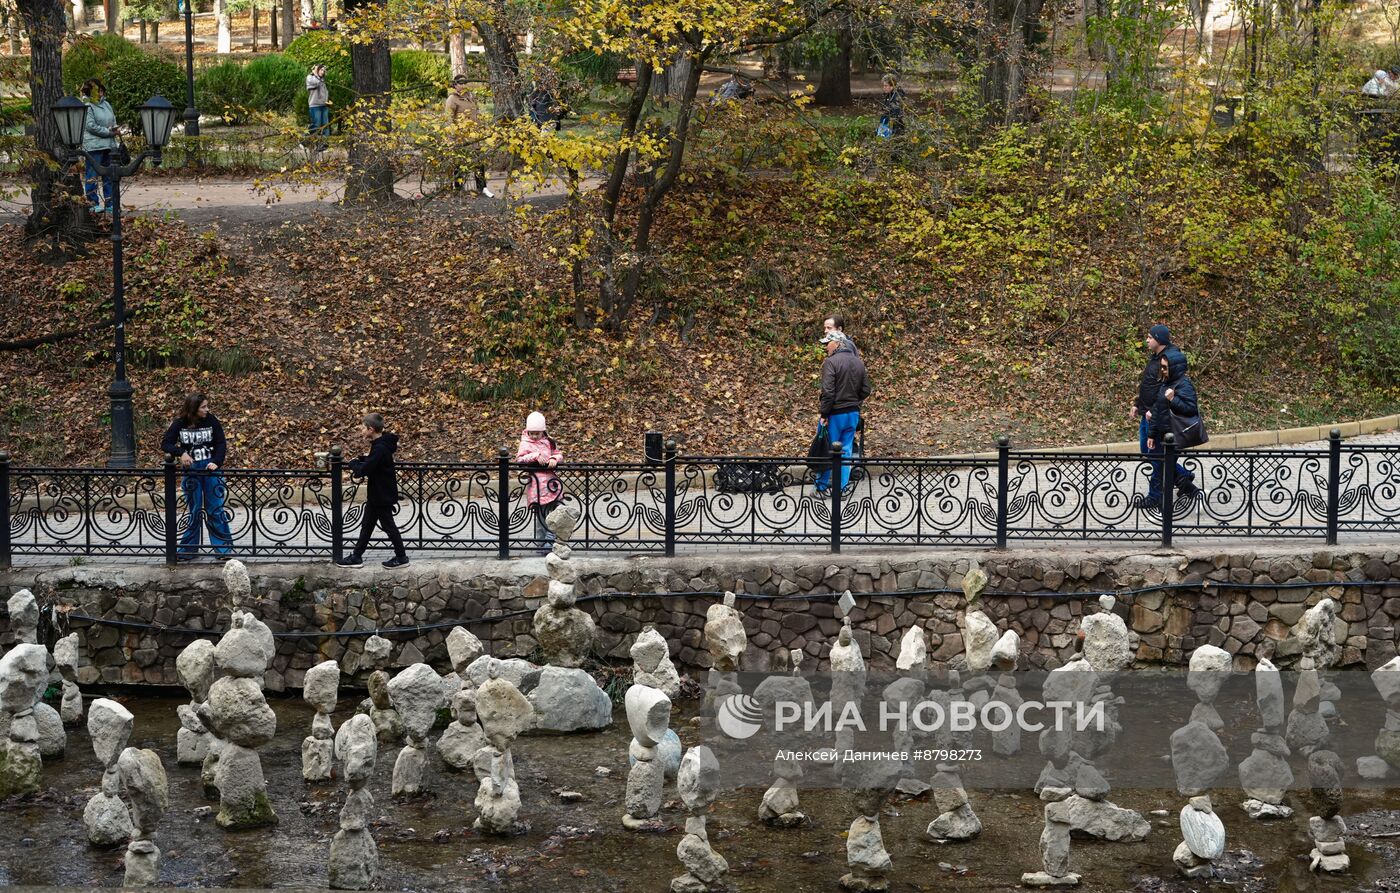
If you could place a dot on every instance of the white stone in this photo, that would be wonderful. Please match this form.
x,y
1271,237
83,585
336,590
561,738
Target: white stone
x,y
698,779
568,700
913,650
24,670
1198,758
648,714
195,667
241,715
513,670
846,604
49,725
1387,681
356,747
980,636
1203,832
416,693
109,726
144,783
725,638
377,651
1106,644
504,713
1207,671
651,663
1007,651
24,617
65,653
463,647
321,686
236,581
241,652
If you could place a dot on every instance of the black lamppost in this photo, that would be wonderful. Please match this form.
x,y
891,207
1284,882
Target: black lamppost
x,y
157,119
191,113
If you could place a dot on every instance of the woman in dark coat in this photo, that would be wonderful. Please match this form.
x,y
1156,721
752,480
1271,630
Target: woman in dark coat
x,y
1176,395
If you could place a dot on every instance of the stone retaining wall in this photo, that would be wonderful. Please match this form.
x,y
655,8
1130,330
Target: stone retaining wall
x,y
321,598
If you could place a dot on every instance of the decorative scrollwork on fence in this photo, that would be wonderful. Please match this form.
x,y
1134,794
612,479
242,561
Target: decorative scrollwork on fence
x,y
58,511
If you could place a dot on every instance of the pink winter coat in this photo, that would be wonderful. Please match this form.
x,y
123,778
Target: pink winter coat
x,y
544,486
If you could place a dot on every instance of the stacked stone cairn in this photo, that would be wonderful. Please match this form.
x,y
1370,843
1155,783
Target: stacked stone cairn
x,y
980,636
354,860
24,623
463,647
195,668
463,737
148,795
240,717
725,640
1386,679
416,693
23,673
1327,828
1198,761
779,806
65,656
956,820
848,673
564,632
387,724
649,717
1316,634
504,713
698,783
1203,839
1307,731
320,688
651,663
1264,774
106,817
866,855
1006,742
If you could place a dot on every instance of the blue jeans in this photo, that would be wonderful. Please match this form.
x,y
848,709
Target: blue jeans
x,y
320,119
204,494
91,180
842,429
1154,484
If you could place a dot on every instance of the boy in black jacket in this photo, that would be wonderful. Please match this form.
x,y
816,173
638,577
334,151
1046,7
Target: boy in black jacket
x,y
376,469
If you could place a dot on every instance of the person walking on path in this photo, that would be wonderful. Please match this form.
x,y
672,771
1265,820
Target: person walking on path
x,y
544,492
845,386
100,132
1159,344
198,439
891,108
1176,395
837,323
461,106
318,101
376,469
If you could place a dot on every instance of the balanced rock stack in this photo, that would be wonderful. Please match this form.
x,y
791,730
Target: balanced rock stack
x,y
23,672
48,725
866,855
144,784
1327,828
463,647
779,806
1006,654
416,693
1386,679
106,817
1307,730
387,724
504,713
698,782
321,689
1264,774
564,632
649,717
651,663
65,656
195,668
463,737
1203,839
354,858
725,640
241,718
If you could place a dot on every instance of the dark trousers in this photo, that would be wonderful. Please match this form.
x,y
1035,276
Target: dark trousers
x,y
383,515
459,178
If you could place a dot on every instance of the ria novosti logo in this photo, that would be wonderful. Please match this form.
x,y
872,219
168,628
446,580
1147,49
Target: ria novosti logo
x,y
739,716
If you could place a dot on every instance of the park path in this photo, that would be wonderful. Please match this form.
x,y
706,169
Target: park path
x,y
1263,494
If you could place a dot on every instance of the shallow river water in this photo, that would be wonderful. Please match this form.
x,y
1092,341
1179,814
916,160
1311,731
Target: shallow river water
x,y
428,844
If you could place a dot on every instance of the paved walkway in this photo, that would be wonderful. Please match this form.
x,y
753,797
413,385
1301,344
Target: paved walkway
x,y
1267,493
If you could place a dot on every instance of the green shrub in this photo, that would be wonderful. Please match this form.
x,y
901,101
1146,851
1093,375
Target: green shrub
x,y
424,73
134,78
91,56
224,90
331,50
277,83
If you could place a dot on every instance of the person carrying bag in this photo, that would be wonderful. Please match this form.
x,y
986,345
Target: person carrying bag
x,y
1176,412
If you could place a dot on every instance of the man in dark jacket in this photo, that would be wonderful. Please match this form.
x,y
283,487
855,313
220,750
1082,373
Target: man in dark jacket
x,y
376,469
845,386
1159,344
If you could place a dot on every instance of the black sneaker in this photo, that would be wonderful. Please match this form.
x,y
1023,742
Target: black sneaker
x,y
1188,490
351,561
1147,503
399,561
187,556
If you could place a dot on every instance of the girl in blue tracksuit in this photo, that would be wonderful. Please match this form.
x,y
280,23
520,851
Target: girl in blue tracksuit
x,y
198,439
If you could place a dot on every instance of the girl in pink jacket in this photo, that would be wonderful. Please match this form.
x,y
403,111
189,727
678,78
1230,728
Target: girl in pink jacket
x,y
544,490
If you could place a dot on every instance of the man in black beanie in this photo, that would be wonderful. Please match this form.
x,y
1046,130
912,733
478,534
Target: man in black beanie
x,y
1159,344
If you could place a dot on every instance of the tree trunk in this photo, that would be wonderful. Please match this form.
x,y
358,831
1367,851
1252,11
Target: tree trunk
x,y
111,9
272,25
255,27
1008,32
143,30
371,177
56,207
457,52
624,297
502,69
155,32
308,12
12,27
834,87
225,44
289,27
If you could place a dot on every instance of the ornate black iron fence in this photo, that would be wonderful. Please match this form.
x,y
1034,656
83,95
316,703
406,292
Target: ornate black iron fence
x,y
673,502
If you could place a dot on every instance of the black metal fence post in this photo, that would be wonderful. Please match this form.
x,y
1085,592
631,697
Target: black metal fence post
x,y
5,557
1003,484
1334,483
171,516
503,504
1168,486
836,458
670,459
336,467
